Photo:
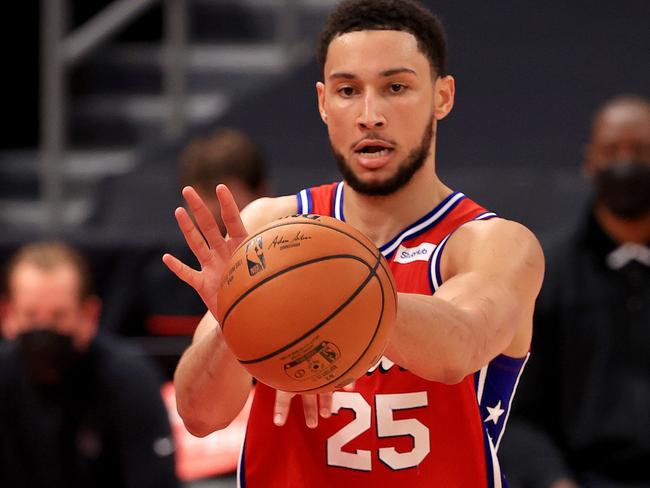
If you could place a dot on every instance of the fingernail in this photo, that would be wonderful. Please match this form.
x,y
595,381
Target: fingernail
x,y
312,422
325,413
278,419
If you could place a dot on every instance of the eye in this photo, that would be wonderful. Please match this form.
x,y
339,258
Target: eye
x,y
397,87
346,91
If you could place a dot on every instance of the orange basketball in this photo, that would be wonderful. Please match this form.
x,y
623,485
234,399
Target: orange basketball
x,y
307,304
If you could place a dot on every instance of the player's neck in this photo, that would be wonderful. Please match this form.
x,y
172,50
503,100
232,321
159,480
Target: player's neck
x,y
382,218
622,231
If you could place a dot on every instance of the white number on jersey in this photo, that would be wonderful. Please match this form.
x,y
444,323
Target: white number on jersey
x,y
387,426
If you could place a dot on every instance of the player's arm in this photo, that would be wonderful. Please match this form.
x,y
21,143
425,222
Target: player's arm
x,y
492,274
211,385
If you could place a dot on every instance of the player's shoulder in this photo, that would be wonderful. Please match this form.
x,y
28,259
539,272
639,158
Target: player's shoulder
x,y
497,230
496,238
267,209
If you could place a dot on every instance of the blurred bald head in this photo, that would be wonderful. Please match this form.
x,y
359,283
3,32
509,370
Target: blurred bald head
x,y
620,132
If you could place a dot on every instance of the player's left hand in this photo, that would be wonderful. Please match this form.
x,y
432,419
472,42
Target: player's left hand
x,y
312,406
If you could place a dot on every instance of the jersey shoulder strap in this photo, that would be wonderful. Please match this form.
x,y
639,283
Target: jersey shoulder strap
x,y
319,199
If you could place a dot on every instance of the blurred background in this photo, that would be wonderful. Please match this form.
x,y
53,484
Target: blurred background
x,y
101,97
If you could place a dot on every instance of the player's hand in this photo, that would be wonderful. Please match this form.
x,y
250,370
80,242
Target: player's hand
x,y
206,242
312,406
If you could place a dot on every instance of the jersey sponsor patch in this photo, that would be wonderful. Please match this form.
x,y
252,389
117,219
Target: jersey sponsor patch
x,y
422,252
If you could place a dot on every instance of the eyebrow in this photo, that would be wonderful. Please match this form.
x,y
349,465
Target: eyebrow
x,y
387,73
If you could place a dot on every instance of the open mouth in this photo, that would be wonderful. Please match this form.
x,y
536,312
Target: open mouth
x,y
373,149
375,152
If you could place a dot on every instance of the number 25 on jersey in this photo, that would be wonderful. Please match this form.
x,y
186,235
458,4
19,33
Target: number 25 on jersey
x,y
387,426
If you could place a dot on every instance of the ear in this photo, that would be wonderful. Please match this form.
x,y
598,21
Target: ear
x,y
443,99
91,308
320,92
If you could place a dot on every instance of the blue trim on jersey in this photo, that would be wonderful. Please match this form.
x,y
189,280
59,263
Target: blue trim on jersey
x,y
495,385
488,460
501,380
426,222
423,224
305,202
338,203
485,216
241,474
436,263
436,257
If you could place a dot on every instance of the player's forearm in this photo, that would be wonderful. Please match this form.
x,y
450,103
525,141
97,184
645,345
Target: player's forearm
x,y
439,341
211,385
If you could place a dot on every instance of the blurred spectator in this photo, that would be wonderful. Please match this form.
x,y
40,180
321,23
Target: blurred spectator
x,y
582,416
227,156
167,306
161,302
77,409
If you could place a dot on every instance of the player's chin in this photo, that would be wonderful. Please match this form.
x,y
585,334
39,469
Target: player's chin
x,y
373,185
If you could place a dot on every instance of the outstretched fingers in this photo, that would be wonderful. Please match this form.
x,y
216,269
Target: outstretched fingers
x,y
310,410
230,215
325,404
193,236
183,271
205,221
281,407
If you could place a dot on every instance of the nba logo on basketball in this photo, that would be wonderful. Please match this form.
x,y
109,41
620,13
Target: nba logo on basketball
x,y
255,256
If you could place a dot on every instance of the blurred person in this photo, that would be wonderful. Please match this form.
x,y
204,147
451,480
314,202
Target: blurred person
x,y
582,417
159,304
77,409
226,156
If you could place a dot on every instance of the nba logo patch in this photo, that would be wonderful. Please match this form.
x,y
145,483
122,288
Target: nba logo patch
x,y
255,256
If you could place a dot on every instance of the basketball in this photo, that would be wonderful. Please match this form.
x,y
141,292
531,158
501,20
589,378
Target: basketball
x,y
307,304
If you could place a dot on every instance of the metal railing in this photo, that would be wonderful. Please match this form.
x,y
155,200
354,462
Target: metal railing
x,y
61,50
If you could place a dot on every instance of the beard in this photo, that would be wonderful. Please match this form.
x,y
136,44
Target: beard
x,y
405,170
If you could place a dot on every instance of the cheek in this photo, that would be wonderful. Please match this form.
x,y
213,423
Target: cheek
x,y
339,130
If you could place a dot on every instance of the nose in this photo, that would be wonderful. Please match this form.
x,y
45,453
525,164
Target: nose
x,y
371,116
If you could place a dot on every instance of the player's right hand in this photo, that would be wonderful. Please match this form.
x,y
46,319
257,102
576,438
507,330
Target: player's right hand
x,y
312,406
206,242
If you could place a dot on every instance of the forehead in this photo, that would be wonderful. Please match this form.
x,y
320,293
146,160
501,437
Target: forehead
x,y
623,122
370,52
28,281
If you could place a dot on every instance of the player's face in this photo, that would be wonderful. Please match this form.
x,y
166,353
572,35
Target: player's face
x,y
380,102
39,298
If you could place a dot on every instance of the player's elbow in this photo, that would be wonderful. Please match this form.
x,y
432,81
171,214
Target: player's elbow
x,y
201,429
452,376
448,373
196,424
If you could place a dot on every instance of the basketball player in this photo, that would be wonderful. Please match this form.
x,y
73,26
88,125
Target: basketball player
x,y
432,412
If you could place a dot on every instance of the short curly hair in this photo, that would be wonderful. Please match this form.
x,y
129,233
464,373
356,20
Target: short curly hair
x,y
401,15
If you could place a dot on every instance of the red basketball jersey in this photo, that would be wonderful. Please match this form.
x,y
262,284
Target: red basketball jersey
x,y
394,429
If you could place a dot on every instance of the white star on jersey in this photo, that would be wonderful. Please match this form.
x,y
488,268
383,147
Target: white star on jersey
x,y
495,413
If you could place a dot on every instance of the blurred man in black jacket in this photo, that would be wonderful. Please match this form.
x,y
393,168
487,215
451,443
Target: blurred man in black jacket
x,y
77,410
582,415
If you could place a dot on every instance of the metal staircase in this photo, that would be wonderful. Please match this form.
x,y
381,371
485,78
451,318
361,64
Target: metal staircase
x,y
116,94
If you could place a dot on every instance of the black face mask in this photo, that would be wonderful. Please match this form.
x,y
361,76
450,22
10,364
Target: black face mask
x,y
624,188
48,355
